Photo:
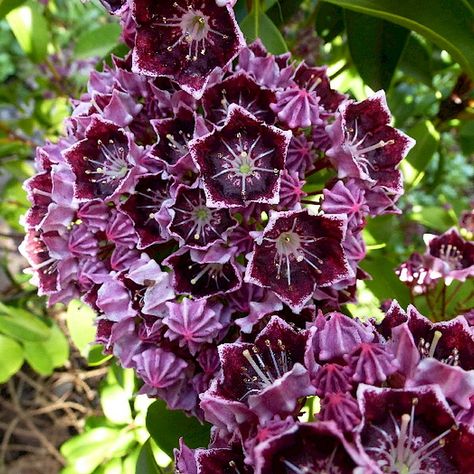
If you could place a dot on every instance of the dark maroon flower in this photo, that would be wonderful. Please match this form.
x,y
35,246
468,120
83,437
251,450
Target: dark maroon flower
x,y
306,448
105,163
241,162
184,41
365,146
174,135
413,431
456,254
264,379
195,224
316,79
145,207
201,277
420,272
466,221
242,90
296,253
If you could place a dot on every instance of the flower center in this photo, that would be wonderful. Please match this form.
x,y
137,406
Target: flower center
x,y
192,28
213,271
354,147
265,374
451,255
321,466
290,248
428,349
114,166
402,451
156,197
243,164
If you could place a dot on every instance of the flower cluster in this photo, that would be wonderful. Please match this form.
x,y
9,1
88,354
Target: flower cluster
x,y
447,257
181,204
394,397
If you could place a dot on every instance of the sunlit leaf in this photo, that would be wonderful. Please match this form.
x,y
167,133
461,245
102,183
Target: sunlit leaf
x,y
12,357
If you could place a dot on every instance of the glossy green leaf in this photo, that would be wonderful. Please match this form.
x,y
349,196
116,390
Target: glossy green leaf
x,y
30,29
46,355
8,5
436,218
22,325
257,25
427,140
416,60
447,24
97,42
80,323
329,21
376,47
167,426
146,463
115,404
12,357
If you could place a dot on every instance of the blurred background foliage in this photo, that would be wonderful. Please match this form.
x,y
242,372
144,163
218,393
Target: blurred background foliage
x,y
54,380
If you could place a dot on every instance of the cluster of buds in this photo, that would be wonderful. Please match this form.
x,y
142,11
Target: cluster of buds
x,y
180,204
393,397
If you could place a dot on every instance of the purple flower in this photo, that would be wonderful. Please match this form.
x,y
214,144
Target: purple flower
x,y
306,447
242,90
184,41
455,253
261,379
412,431
296,253
195,224
203,276
105,162
241,162
193,323
365,146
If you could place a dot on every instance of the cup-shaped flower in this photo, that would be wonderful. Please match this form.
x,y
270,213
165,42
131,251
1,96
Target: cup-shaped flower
x,y
296,253
241,162
413,431
184,40
365,146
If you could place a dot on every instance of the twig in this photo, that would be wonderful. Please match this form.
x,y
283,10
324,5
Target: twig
x,y
16,407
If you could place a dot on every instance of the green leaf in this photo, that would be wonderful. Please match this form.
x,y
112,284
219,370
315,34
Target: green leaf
x,y
329,21
88,450
385,283
12,357
416,60
146,462
447,24
97,42
375,46
80,323
96,356
167,426
257,25
8,5
466,137
22,325
427,140
434,217
46,355
30,29
115,404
